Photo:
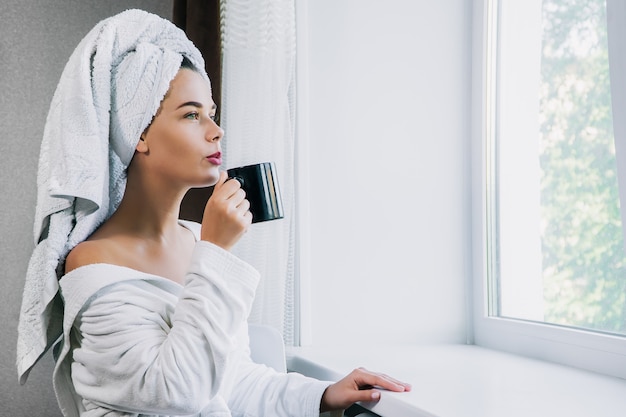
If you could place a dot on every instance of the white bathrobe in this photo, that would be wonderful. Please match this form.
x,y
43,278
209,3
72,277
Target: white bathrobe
x,y
139,344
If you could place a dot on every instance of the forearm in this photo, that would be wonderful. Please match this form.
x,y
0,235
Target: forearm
x,y
261,391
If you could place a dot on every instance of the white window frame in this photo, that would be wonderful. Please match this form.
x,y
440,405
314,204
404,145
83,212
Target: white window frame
x,y
304,319
593,351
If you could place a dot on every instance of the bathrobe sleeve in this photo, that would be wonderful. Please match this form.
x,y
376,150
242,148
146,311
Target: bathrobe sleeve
x,y
261,391
134,355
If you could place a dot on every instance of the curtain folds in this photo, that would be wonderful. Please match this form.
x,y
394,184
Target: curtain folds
x,y
250,53
258,116
616,26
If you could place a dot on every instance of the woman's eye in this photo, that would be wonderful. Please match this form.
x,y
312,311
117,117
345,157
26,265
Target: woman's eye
x,y
192,116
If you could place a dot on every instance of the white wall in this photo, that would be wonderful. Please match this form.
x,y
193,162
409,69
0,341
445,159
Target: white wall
x,y
389,153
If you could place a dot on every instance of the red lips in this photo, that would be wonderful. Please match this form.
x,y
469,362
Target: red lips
x,y
215,159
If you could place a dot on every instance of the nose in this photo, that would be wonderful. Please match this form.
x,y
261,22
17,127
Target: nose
x,y
214,132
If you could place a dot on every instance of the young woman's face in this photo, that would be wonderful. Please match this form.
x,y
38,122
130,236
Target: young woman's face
x,y
182,143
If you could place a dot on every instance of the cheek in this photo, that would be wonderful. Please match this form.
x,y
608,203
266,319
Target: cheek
x,y
172,145
178,153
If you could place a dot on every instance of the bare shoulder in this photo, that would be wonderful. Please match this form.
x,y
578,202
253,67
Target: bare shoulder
x,y
87,253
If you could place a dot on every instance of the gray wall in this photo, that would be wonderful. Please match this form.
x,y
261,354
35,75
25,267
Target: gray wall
x,y
36,39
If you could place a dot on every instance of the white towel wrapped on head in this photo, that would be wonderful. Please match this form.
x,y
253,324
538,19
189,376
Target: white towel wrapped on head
x,y
108,93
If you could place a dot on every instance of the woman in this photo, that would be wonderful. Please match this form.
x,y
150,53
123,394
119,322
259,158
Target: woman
x,y
155,308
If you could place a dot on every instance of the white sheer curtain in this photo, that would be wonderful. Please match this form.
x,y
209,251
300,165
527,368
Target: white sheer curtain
x,y
616,26
258,115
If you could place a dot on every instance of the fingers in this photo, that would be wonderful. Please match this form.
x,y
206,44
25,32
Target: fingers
x,y
222,179
244,208
359,385
226,214
366,379
230,190
226,186
369,395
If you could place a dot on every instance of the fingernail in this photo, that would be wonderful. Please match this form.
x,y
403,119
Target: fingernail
x,y
375,395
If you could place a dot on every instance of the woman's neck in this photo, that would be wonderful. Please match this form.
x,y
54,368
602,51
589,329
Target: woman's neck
x,y
149,210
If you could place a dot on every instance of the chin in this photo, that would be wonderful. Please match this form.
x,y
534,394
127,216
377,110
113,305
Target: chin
x,y
211,179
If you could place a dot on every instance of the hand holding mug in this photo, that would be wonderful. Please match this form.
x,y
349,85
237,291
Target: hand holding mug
x,y
226,214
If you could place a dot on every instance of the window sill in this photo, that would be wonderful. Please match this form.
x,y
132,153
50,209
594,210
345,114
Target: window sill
x,y
468,381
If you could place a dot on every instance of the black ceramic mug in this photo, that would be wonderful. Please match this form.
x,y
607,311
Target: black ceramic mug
x,y
260,183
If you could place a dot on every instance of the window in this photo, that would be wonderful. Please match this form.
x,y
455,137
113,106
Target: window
x,y
559,243
552,263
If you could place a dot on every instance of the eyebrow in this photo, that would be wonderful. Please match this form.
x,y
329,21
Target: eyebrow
x,y
196,104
